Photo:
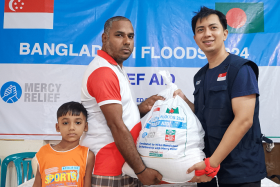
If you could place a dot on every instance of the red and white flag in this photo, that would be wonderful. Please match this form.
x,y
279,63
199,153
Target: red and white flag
x,y
222,76
28,14
157,109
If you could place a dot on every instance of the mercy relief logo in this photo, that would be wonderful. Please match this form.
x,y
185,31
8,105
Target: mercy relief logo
x,y
11,92
32,92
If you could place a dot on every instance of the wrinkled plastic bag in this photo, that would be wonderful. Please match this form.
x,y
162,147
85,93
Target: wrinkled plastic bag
x,y
171,139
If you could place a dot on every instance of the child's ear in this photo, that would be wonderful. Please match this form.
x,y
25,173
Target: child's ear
x,y
57,127
86,127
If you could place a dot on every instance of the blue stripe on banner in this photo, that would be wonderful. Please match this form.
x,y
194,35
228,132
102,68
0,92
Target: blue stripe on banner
x,y
163,34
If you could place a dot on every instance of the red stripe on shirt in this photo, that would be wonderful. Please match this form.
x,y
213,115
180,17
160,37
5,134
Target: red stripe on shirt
x,y
135,131
107,57
103,84
108,160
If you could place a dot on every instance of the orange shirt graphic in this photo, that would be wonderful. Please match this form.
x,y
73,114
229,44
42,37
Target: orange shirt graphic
x,y
62,168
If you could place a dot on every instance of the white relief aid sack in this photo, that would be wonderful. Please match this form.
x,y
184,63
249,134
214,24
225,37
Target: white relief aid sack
x,y
171,139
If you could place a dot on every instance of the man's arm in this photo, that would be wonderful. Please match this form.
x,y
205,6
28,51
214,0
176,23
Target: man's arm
x,y
38,180
147,105
89,169
181,94
125,144
243,109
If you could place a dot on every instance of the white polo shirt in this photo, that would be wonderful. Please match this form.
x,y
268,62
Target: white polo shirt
x,y
105,82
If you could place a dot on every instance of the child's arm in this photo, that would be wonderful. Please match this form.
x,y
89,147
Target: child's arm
x,y
89,169
38,180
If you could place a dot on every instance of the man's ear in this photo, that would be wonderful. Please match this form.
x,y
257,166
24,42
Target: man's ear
x,y
57,127
104,37
86,127
225,34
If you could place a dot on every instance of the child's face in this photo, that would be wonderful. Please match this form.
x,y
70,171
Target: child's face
x,y
71,127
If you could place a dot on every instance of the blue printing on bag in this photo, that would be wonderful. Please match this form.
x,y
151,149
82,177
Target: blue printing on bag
x,y
167,123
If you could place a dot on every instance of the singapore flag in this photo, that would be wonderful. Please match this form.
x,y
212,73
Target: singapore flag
x,y
28,14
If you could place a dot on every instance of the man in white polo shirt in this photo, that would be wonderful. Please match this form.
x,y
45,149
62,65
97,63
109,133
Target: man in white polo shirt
x,y
114,118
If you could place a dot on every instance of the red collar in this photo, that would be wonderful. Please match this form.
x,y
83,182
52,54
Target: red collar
x,y
107,57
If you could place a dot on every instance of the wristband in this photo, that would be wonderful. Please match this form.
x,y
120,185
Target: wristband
x,y
208,170
141,171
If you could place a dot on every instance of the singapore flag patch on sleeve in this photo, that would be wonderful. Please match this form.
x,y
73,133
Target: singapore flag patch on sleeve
x,y
222,76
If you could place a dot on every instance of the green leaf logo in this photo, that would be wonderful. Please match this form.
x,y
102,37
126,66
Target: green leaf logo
x,y
172,110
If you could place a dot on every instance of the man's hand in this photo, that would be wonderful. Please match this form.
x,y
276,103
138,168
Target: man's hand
x,y
150,177
202,178
147,105
182,95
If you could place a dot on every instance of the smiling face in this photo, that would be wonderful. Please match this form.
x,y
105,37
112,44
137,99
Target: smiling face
x,y
119,42
71,127
210,35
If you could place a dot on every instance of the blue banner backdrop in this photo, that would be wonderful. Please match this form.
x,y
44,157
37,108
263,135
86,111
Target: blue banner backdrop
x,y
45,52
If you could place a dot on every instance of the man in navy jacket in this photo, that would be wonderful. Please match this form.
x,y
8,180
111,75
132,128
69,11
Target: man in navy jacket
x,y
226,101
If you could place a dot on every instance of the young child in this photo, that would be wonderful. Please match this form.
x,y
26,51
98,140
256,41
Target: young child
x,y
67,163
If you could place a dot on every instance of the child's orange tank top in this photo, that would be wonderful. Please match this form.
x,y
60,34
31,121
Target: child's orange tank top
x,y
62,168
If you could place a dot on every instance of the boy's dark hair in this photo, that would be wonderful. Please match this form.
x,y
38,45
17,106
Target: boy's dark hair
x,y
74,109
205,12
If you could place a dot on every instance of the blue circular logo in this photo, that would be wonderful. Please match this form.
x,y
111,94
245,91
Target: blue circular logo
x,y
144,134
11,92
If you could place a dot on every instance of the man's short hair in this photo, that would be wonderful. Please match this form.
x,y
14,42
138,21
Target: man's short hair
x,y
205,12
108,23
73,108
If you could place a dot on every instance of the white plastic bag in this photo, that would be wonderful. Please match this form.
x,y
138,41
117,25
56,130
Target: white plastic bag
x,y
171,139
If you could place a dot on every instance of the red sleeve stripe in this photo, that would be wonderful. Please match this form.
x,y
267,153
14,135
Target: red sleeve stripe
x,y
103,85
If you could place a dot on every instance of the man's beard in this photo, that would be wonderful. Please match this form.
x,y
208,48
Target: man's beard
x,y
121,59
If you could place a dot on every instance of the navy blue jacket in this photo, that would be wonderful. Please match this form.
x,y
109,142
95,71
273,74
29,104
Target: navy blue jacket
x,y
246,162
